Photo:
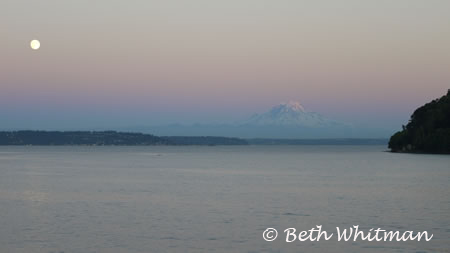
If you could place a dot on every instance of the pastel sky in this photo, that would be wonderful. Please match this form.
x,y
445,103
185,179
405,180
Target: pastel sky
x,y
110,63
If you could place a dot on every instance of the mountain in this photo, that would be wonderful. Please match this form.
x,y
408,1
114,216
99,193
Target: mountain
x,y
291,114
428,130
283,121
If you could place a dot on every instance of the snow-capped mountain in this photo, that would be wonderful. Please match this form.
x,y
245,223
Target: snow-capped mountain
x,y
291,114
284,121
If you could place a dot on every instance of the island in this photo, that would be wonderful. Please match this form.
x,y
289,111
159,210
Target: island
x,y
428,130
114,138
106,138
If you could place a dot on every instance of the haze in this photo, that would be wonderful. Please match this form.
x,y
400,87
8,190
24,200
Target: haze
x,y
129,63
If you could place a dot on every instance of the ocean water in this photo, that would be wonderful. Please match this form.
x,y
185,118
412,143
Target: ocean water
x,y
217,199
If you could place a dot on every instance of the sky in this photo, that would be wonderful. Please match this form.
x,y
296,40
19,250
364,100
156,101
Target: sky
x,y
110,63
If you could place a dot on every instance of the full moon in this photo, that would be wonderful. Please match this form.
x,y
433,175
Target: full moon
x,y
35,44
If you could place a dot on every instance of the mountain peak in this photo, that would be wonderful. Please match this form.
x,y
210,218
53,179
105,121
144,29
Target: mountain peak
x,y
294,106
290,114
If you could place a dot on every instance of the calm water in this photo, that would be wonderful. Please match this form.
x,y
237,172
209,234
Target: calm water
x,y
217,199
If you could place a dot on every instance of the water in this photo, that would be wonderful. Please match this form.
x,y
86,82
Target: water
x,y
217,199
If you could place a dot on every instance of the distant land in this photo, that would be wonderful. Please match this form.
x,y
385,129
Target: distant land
x,y
428,130
113,138
79,138
343,141
106,138
283,121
